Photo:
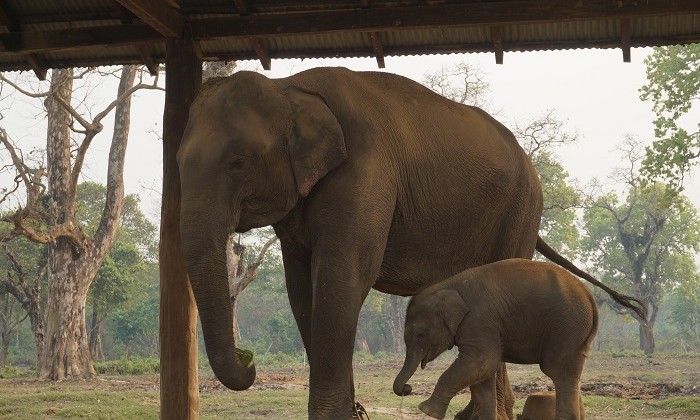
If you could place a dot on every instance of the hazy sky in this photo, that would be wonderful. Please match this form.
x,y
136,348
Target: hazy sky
x,y
594,91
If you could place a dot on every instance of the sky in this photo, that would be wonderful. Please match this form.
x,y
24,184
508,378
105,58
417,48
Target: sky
x,y
593,91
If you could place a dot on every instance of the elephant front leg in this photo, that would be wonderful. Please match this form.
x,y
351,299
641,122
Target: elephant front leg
x,y
505,399
336,309
463,372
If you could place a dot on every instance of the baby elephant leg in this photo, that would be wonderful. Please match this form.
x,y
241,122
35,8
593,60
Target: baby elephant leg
x,y
463,372
484,397
542,406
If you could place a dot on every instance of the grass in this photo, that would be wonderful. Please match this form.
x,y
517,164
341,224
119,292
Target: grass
x,y
638,391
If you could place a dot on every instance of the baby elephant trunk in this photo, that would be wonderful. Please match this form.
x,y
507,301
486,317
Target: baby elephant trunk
x,y
401,388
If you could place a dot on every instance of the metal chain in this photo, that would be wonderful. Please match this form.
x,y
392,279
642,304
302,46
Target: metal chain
x,y
359,412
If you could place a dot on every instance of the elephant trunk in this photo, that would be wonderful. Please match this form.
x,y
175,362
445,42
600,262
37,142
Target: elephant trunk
x,y
205,258
401,388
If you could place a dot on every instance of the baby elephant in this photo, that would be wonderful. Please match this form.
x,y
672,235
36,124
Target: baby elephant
x,y
516,311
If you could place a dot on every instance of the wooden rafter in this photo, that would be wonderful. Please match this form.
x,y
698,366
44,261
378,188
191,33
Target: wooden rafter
x,y
429,16
146,54
378,48
497,36
40,69
362,20
158,15
626,35
261,52
122,13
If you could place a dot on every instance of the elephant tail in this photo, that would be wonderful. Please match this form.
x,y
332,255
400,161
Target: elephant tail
x,y
624,300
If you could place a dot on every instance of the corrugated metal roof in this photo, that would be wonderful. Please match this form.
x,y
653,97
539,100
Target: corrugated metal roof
x,y
91,32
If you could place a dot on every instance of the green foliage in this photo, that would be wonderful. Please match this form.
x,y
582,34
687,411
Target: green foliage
x,y
130,366
9,372
114,281
685,311
647,236
134,227
673,87
560,199
135,325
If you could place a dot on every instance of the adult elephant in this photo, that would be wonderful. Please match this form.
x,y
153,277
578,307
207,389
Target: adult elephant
x,y
369,180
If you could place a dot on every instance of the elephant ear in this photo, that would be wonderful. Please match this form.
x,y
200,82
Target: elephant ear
x,y
452,309
317,144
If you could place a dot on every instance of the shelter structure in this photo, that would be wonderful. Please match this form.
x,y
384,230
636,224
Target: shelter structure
x,y
38,35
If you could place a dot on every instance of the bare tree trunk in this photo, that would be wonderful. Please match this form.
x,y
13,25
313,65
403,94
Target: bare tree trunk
x,y
96,329
66,352
66,355
4,341
5,352
361,340
36,319
646,339
397,318
73,263
234,261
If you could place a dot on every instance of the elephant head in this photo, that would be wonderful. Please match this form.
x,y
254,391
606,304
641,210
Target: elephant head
x,y
432,320
251,149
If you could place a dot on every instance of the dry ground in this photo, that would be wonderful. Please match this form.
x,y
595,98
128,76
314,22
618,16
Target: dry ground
x,y
660,387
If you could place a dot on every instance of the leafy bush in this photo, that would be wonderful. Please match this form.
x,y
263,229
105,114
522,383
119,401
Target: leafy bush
x,y
131,366
9,372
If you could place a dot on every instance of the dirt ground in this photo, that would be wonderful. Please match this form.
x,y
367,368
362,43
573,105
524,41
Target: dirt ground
x,y
630,384
619,377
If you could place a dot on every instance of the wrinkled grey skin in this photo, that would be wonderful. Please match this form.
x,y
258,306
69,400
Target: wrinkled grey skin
x,y
369,180
514,311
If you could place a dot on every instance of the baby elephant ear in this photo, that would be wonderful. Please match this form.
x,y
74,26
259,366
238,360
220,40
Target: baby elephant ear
x,y
453,309
317,144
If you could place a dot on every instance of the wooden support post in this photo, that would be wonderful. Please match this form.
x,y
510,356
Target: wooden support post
x,y
261,52
626,35
497,36
378,48
179,393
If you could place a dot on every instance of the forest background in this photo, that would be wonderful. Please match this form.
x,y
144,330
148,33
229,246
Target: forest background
x,y
635,231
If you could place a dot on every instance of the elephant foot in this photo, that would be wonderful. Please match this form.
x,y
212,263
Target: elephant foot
x,y
467,413
434,409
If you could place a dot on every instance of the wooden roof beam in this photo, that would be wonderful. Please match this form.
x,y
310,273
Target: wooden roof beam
x,y
151,63
360,20
378,48
626,35
40,69
497,36
261,52
158,15
431,16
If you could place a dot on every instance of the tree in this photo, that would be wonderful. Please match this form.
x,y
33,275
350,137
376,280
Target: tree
x,y
462,82
135,243
10,319
685,309
642,240
135,323
540,137
24,286
242,273
49,217
673,87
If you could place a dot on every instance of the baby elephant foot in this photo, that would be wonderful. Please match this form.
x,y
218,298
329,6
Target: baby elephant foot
x,y
433,408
